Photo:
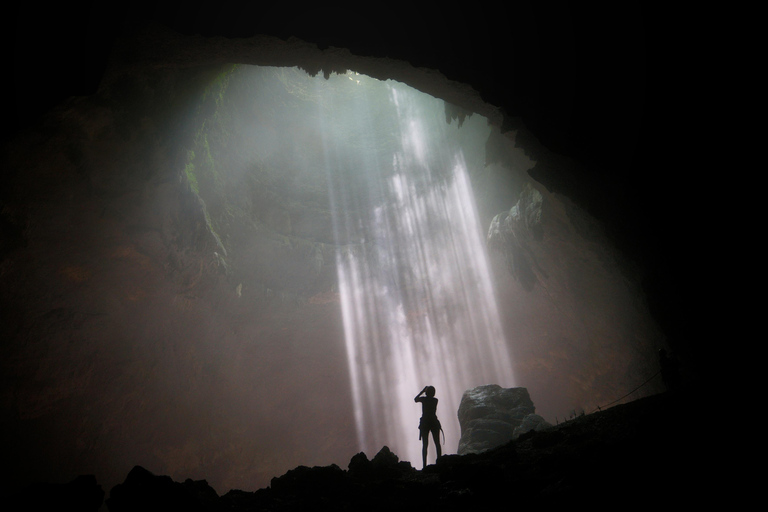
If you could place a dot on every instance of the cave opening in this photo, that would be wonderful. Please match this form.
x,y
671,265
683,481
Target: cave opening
x,y
177,304
373,177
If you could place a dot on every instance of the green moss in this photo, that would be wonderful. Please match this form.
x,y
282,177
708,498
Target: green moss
x,y
219,84
189,170
203,169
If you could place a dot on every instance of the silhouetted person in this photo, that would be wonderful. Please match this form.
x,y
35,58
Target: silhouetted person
x,y
670,370
429,422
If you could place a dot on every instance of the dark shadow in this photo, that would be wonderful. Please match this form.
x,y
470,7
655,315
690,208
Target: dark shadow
x,y
670,370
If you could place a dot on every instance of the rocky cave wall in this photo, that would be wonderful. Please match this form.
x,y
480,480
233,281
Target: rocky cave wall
x,y
146,321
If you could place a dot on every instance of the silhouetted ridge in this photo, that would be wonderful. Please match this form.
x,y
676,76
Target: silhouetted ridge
x,y
644,452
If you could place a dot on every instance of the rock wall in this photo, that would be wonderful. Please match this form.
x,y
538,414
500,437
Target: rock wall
x,y
144,320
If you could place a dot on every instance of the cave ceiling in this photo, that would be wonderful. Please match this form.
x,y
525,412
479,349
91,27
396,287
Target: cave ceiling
x,y
589,84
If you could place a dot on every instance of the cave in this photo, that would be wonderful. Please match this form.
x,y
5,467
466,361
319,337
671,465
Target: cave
x,y
172,259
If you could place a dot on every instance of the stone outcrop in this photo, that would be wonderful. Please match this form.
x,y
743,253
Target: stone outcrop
x,y
490,416
637,450
363,486
530,422
511,233
143,490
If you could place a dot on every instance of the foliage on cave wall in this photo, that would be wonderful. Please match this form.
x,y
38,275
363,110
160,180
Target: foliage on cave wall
x,y
201,168
240,161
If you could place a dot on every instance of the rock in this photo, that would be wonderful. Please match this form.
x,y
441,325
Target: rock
x,y
489,416
359,466
385,458
531,422
309,483
384,464
514,232
142,490
639,449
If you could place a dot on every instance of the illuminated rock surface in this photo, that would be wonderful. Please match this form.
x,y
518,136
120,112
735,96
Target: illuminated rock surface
x,y
490,416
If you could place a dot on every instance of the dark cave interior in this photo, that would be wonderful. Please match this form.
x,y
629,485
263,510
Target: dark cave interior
x,y
593,92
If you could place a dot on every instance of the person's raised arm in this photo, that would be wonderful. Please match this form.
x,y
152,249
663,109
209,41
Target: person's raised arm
x,y
420,392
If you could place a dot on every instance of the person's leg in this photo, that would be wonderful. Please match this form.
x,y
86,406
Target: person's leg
x,y
424,443
436,437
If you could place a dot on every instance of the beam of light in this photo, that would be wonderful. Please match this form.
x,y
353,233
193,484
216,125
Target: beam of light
x,y
416,295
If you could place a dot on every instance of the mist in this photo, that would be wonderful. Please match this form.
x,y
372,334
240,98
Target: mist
x,y
237,270
412,277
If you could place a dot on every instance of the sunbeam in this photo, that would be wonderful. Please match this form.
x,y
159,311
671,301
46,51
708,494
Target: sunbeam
x,y
416,293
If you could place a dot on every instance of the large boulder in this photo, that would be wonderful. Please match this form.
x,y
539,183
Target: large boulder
x,y
490,416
